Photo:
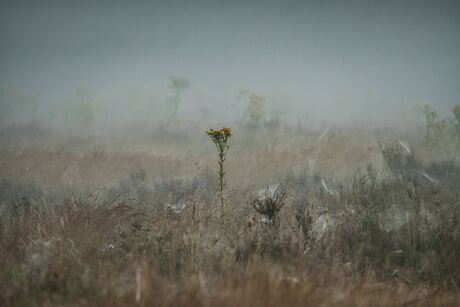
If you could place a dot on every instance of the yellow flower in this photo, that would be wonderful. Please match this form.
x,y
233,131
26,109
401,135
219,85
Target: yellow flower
x,y
213,133
226,131
219,135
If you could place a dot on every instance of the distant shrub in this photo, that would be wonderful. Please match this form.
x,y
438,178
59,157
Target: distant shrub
x,y
456,123
255,111
435,127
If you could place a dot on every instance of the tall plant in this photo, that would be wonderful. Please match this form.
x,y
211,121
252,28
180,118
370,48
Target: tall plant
x,y
220,138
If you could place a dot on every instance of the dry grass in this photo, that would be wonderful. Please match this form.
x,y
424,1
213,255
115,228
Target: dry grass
x,y
93,227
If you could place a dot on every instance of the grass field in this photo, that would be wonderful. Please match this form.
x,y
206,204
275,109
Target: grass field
x,y
346,216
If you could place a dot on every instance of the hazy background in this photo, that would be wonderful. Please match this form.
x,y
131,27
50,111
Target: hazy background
x,y
312,60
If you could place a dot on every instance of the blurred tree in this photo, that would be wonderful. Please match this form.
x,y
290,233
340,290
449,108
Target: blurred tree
x,y
177,85
255,110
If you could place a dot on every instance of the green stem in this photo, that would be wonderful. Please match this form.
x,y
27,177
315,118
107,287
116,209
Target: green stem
x,y
222,148
221,175
221,166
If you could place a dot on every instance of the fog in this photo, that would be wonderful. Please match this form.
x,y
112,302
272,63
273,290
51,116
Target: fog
x,y
315,61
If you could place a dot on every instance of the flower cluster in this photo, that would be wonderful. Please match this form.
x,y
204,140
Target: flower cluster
x,y
219,135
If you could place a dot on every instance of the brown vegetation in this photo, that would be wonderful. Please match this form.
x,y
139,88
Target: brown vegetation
x,y
358,221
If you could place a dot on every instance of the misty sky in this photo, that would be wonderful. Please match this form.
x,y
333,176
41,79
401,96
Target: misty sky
x,y
347,54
